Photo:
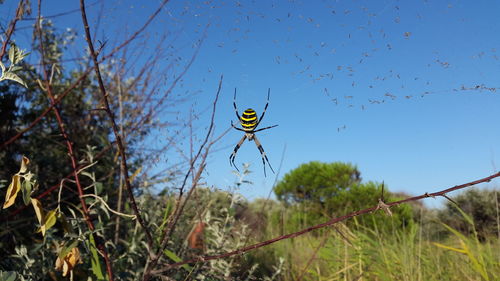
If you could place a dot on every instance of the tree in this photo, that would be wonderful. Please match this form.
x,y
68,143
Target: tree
x,y
316,182
318,191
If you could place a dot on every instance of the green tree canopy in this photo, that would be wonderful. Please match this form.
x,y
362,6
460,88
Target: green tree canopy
x,y
317,182
319,191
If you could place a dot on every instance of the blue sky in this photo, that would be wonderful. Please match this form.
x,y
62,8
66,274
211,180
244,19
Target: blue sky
x,y
380,84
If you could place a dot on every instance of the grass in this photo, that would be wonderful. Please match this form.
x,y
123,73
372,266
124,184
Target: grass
x,y
360,253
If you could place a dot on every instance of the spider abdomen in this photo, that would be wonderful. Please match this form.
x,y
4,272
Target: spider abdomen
x,y
249,120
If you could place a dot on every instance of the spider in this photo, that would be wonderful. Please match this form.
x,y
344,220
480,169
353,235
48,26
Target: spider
x,y
250,122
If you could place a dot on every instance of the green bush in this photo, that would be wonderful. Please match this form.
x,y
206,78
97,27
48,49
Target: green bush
x,y
481,204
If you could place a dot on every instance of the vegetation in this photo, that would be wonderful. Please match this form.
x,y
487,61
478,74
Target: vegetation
x,y
82,199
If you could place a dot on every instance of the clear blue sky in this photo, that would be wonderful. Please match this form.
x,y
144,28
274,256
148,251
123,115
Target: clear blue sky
x,y
374,83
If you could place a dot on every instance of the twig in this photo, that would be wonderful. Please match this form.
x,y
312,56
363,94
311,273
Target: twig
x,y
328,223
313,256
46,111
180,204
69,144
151,113
54,187
85,73
108,208
116,131
12,27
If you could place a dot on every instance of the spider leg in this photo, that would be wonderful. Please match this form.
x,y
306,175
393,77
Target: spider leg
x,y
265,107
265,128
263,155
234,105
233,155
239,129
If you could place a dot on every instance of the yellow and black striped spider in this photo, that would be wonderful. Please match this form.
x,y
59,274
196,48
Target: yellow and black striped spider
x,y
249,122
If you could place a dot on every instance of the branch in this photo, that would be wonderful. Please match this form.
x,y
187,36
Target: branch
x,y
116,131
12,26
56,186
69,145
85,73
313,256
328,223
179,207
46,111
151,113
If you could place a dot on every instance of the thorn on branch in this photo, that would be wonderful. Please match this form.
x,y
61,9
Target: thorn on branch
x,y
98,109
383,206
101,46
382,195
381,203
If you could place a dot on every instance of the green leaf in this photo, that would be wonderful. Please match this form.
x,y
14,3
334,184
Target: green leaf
x,y
15,68
12,54
16,55
11,76
450,248
26,189
94,259
8,276
50,219
64,222
87,174
171,255
67,248
99,187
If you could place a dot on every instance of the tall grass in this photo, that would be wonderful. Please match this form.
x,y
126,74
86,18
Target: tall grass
x,y
361,253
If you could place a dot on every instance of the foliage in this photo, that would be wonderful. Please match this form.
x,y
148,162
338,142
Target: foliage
x,y
26,104
15,57
320,191
481,204
316,182
53,239
355,253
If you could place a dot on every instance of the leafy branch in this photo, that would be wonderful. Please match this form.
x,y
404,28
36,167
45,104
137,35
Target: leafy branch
x,y
16,55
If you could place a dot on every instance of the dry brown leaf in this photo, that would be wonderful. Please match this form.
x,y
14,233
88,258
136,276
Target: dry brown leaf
x,y
69,262
24,164
12,190
38,209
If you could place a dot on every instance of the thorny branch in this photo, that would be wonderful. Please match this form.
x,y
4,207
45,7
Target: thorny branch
x,y
441,193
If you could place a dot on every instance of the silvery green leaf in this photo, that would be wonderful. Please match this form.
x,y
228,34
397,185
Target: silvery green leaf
x,y
16,55
12,54
15,68
14,77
